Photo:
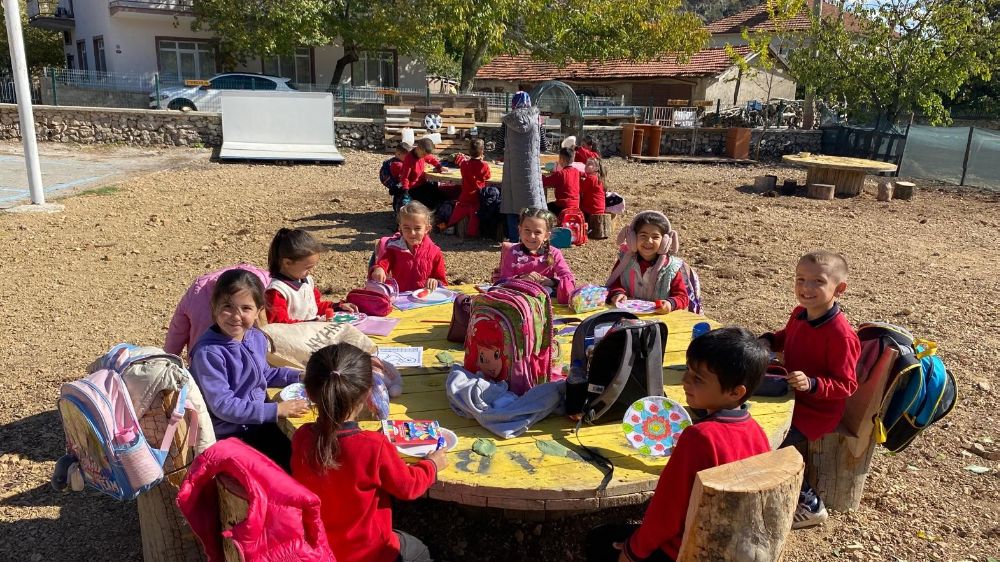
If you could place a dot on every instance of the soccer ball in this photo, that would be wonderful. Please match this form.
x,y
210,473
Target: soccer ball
x,y
432,122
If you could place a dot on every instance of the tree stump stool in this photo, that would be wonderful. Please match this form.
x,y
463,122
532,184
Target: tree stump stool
x,y
462,228
765,183
601,225
789,187
166,536
233,508
885,189
904,190
822,191
742,511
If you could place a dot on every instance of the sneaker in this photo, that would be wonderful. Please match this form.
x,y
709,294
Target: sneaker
x,y
809,514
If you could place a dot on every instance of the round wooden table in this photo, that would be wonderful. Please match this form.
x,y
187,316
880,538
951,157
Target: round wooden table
x,y
454,175
541,470
847,174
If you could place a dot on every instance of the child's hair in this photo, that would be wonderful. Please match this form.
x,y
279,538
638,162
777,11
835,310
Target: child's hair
x,y
290,244
477,148
651,218
590,142
338,379
234,281
836,263
403,147
566,154
734,354
599,164
538,213
413,209
425,144
487,333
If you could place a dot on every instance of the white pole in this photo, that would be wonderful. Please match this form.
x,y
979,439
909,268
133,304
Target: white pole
x,y
23,89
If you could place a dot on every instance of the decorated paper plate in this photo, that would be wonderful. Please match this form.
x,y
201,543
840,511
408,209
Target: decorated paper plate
x,y
450,440
637,306
294,391
654,424
353,318
432,297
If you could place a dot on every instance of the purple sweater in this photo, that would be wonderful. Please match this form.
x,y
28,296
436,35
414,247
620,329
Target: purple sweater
x,y
234,377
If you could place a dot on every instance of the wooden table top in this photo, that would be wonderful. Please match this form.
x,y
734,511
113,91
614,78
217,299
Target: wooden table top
x,y
839,163
455,175
541,469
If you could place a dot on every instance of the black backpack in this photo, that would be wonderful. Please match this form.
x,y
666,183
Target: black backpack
x,y
623,366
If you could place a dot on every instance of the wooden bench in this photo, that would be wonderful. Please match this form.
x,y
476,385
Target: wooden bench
x,y
233,508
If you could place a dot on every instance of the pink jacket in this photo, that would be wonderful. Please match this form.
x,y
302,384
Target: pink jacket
x,y
283,518
194,313
516,260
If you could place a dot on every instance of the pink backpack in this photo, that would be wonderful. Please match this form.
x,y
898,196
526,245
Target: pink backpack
x,y
523,311
574,220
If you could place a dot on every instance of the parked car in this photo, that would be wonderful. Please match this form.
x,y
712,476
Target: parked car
x,y
198,95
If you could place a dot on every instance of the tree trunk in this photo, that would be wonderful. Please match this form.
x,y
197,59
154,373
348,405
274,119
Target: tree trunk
x,y
809,110
350,55
742,511
472,60
838,468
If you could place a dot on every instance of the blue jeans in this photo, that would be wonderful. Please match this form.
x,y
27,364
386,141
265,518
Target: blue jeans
x,y
512,227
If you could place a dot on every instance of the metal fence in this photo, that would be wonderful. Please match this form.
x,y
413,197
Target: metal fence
x,y
958,155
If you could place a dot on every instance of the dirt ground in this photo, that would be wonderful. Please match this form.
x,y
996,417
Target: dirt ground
x,y
113,265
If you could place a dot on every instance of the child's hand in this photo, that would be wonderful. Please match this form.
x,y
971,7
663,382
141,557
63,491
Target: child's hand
x,y
292,408
439,458
798,380
348,307
432,284
378,274
664,306
617,300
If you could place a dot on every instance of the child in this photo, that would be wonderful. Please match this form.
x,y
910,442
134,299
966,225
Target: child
x,y
229,363
592,195
390,172
566,181
587,150
356,473
412,179
724,367
410,256
292,295
534,258
821,353
475,172
645,269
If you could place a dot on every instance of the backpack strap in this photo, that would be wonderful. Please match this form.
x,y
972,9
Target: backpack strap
x,y
183,406
602,462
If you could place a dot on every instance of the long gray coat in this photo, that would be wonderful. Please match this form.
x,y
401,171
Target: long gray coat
x,y
522,175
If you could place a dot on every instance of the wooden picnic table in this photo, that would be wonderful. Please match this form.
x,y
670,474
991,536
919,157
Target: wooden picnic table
x,y
454,175
541,469
847,174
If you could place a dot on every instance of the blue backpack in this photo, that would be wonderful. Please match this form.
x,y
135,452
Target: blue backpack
x,y
385,176
920,390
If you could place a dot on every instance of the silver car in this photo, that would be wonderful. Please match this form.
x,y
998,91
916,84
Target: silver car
x,y
203,95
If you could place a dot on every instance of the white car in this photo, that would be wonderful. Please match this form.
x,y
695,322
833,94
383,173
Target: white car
x,y
203,95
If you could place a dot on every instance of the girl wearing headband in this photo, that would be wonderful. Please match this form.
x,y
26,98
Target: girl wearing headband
x,y
645,268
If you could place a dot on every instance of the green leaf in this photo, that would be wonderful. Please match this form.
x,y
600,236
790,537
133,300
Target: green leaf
x,y
484,447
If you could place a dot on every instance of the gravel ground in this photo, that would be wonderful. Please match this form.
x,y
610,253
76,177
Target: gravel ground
x,y
112,266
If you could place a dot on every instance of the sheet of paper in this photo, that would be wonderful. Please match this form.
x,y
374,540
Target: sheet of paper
x,y
402,356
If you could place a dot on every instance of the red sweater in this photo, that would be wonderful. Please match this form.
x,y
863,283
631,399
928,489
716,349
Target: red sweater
x,y
475,172
412,172
826,350
592,200
277,307
583,154
356,497
566,182
724,437
678,289
410,269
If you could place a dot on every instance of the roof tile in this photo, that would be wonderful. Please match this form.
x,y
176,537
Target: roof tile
x,y
756,18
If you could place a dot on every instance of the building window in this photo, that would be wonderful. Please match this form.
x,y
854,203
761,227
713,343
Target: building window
x,y
375,68
297,67
67,38
185,60
100,63
81,54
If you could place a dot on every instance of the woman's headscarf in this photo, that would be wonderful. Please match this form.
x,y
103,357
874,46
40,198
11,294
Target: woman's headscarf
x,y
520,99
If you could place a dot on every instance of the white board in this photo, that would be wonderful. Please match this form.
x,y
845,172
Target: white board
x,y
278,126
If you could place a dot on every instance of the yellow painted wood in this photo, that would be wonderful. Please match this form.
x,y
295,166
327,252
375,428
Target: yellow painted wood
x,y
521,472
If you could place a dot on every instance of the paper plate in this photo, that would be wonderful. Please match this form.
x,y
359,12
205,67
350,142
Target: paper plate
x,y
654,424
353,318
636,306
294,391
450,440
431,297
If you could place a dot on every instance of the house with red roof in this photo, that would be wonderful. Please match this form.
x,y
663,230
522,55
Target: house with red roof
x,y
757,19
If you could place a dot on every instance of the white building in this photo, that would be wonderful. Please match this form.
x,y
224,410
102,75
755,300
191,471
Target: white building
x,y
146,36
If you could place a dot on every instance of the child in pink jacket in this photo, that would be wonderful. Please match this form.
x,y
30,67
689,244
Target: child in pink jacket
x,y
534,258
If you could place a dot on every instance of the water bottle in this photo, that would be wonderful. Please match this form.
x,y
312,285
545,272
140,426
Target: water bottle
x,y
700,329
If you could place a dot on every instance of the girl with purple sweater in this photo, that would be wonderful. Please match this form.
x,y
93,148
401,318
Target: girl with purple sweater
x,y
229,363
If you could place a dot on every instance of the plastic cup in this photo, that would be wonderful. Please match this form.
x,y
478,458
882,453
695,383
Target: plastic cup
x,y
700,329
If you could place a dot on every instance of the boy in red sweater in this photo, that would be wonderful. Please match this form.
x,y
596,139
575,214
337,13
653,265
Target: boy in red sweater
x,y
724,367
566,181
821,354
412,178
475,172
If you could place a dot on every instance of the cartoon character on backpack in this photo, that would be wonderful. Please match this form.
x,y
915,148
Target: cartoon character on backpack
x,y
488,349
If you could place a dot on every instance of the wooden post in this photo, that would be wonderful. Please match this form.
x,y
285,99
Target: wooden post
x,y
965,160
820,191
166,536
885,190
742,511
904,190
838,467
765,183
601,226
789,187
233,508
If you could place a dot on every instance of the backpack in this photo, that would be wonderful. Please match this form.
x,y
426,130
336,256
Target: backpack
x,y
444,211
104,442
375,299
489,203
385,176
576,222
523,311
622,366
693,285
919,389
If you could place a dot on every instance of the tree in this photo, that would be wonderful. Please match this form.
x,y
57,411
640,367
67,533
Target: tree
x,y
568,30
41,47
275,27
907,55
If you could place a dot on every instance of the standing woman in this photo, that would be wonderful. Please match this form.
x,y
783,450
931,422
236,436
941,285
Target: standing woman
x,y
522,174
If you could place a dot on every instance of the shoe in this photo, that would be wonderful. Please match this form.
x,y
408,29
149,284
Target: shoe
x,y
809,514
